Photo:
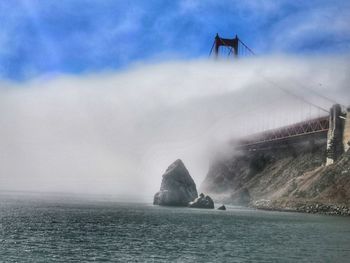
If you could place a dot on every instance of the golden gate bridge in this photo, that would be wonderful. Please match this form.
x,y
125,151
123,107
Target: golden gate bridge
x,y
327,123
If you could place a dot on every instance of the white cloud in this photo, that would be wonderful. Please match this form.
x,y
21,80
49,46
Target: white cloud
x,y
320,24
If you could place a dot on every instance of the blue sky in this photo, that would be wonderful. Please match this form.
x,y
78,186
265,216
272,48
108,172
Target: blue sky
x,y
77,36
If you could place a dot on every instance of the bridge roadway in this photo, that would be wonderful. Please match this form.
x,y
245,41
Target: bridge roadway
x,y
309,130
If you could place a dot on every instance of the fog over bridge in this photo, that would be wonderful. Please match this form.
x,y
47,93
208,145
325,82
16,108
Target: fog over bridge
x,y
319,125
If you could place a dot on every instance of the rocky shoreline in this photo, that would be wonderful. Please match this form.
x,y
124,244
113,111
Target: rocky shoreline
x,y
294,178
310,208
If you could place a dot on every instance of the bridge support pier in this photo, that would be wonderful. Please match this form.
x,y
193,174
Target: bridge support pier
x,y
335,136
346,134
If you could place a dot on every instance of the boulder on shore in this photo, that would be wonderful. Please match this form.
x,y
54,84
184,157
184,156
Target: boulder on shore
x,y
203,201
177,188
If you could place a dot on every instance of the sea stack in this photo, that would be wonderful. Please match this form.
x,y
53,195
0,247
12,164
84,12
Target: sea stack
x,y
203,201
177,188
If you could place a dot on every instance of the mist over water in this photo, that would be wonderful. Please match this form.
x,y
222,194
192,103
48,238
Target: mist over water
x,y
116,132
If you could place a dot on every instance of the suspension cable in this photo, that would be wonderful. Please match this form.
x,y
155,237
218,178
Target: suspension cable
x,y
285,89
293,94
251,51
318,94
211,50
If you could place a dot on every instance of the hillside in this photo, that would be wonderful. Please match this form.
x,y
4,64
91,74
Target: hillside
x,y
291,178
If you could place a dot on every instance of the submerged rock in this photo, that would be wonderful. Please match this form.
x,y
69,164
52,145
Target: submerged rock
x,y
177,188
203,201
222,207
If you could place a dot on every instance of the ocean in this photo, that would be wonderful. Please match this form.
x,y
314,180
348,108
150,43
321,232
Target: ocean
x,y
79,230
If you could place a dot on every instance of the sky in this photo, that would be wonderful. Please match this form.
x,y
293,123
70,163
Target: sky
x,y
101,96
46,38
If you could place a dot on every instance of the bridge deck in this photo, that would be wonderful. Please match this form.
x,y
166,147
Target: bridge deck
x,y
313,126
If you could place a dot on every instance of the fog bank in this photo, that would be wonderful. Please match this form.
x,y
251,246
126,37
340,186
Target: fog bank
x,y
116,132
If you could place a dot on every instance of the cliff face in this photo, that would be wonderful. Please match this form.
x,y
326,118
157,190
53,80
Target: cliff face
x,y
289,177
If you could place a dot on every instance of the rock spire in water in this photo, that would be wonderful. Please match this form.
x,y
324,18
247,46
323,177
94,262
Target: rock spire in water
x,y
177,188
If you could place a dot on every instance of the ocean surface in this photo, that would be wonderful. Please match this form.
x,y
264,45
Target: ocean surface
x,y
73,230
